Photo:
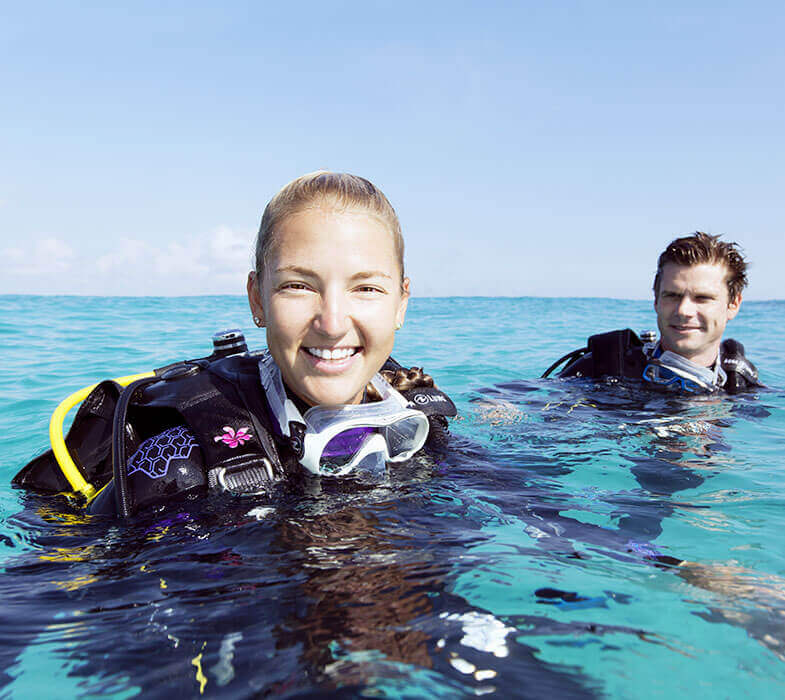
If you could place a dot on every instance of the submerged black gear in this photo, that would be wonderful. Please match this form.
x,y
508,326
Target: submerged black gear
x,y
621,353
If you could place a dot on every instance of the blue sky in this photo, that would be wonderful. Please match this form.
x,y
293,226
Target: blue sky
x,y
547,149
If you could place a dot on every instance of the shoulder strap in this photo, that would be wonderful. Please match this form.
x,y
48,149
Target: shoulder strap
x,y
742,374
428,399
431,401
243,373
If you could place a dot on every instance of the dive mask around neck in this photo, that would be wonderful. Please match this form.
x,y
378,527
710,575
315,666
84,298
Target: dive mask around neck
x,y
335,440
670,371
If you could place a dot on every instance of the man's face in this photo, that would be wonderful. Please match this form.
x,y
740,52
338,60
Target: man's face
x,y
693,307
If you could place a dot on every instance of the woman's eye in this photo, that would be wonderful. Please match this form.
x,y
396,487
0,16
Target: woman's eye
x,y
294,286
370,289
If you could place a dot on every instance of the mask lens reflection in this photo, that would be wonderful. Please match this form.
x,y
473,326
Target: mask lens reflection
x,y
401,436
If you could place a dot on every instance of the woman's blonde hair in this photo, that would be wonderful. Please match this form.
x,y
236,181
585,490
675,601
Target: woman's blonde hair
x,y
323,188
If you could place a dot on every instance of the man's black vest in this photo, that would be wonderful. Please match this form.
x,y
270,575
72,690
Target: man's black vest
x,y
621,354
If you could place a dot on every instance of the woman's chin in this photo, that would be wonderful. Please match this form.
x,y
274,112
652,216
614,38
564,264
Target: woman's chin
x,y
326,395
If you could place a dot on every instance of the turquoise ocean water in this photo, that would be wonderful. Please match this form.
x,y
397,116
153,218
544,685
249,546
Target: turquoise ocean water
x,y
534,558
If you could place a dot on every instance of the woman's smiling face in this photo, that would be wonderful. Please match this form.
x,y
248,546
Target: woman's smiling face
x,y
330,298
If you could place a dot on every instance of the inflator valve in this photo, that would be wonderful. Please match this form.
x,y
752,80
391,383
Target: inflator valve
x,y
229,342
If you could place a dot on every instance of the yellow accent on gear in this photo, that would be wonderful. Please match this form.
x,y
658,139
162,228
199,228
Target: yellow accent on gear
x,y
70,470
200,677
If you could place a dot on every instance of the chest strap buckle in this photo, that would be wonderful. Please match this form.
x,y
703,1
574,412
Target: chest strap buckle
x,y
243,479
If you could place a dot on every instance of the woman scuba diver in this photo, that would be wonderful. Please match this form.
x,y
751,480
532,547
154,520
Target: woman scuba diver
x,y
329,289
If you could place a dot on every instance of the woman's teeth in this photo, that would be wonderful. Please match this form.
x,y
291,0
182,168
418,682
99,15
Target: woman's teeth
x,y
327,354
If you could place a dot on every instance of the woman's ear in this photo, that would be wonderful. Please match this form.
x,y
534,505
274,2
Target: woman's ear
x,y
401,313
255,299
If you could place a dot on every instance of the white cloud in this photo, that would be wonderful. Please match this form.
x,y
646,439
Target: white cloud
x,y
46,256
129,252
212,263
179,261
231,249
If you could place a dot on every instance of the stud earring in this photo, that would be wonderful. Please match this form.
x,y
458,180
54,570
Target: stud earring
x,y
257,321
398,326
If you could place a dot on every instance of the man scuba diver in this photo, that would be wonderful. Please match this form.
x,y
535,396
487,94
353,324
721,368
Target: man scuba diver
x,y
697,290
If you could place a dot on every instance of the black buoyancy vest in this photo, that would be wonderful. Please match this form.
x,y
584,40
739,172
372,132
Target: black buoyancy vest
x,y
613,354
210,396
222,397
621,353
213,398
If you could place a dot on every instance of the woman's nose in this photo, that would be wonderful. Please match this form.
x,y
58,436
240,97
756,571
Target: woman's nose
x,y
332,318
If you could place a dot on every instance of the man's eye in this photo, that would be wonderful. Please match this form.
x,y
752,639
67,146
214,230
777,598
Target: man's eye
x,y
296,286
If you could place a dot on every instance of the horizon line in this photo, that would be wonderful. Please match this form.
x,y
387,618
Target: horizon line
x,y
428,296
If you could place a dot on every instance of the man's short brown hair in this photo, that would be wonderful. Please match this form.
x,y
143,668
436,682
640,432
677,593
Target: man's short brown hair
x,y
703,248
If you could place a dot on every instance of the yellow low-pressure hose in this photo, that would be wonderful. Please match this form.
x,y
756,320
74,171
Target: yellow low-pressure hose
x,y
70,470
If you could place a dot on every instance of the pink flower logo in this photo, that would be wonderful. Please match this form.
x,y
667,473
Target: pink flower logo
x,y
232,438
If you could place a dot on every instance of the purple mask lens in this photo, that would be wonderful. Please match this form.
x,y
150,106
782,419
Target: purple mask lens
x,y
347,443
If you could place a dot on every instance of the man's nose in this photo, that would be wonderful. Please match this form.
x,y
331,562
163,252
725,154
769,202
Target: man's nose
x,y
686,306
332,318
